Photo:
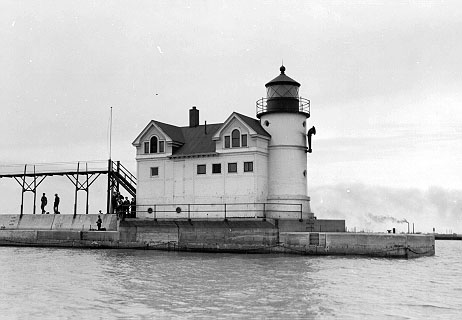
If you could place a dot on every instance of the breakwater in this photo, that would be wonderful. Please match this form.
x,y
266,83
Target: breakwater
x,y
245,236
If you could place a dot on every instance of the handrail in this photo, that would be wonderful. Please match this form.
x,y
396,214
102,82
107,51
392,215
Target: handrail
x,y
11,170
303,105
127,175
220,210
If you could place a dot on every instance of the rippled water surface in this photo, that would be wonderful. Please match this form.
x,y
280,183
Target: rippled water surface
x,y
78,283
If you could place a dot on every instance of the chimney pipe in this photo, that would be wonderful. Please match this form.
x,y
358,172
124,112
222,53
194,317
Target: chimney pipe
x,y
193,117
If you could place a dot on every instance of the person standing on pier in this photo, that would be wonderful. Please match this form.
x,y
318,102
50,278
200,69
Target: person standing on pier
x,y
98,223
44,203
126,207
133,208
56,204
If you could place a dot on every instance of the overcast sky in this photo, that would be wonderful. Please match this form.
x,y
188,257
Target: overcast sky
x,y
384,80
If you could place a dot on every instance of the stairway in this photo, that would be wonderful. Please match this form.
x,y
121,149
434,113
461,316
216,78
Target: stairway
x,y
124,177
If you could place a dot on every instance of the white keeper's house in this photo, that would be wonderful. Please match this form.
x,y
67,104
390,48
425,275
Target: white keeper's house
x,y
243,167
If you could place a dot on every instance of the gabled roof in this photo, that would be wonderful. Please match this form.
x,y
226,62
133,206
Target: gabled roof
x,y
175,133
200,139
254,124
146,129
197,141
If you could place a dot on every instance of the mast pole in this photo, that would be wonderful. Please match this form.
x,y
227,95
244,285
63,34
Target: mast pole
x,y
109,204
110,136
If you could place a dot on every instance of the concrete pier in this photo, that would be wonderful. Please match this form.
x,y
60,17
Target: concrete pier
x,y
56,222
243,236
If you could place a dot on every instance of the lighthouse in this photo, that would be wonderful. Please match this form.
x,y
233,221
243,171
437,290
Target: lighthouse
x,y
243,167
284,114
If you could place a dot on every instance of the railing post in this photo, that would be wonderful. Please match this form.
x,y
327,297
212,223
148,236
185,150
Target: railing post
x,y
301,212
155,212
225,212
189,212
264,211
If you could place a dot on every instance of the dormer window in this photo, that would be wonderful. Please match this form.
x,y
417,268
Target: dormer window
x,y
154,145
236,140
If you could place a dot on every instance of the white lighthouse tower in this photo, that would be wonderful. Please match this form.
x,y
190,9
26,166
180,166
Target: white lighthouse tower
x,y
283,114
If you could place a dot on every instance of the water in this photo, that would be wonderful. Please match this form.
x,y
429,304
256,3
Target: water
x,y
76,283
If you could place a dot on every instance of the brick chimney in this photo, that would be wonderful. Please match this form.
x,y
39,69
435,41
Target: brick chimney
x,y
193,117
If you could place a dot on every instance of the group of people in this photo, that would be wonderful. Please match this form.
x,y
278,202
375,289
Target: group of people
x,y
124,207
44,202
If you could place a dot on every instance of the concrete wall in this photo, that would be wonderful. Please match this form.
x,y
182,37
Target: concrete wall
x,y
241,236
369,244
231,236
380,244
57,222
60,238
9,221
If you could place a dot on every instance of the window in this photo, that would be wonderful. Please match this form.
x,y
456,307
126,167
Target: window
x,y
154,145
244,140
236,140
153,142
154,171
146,147
232,167
216,168
201,169
235,137
248,166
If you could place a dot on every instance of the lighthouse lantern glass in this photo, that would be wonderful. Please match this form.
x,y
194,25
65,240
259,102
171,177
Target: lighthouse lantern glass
x,y
282,91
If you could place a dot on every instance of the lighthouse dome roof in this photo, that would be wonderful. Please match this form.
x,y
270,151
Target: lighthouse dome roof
x,y
282,79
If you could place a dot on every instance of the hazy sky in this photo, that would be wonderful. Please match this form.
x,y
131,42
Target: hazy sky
x,y
384,80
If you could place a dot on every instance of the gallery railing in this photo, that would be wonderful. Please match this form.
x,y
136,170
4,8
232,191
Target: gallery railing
x,y
223,211
303,105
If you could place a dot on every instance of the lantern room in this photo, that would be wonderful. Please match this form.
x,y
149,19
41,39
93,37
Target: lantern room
x,y
282,95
